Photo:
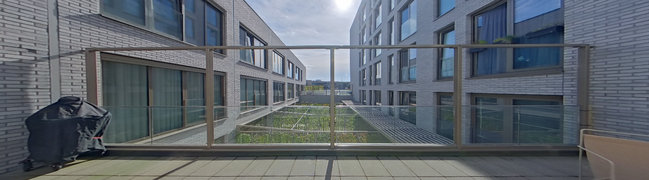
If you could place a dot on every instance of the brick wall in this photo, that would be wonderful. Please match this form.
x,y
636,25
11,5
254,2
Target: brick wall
x,y
619,62
24,74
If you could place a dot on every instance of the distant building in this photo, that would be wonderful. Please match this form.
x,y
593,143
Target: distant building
x,y
618,64
326,84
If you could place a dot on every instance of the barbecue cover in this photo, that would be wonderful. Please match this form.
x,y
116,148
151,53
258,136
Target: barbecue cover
x,y
63,130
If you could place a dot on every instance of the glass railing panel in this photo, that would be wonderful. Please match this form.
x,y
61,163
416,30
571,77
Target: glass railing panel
x,y
400,124
520,124
127,125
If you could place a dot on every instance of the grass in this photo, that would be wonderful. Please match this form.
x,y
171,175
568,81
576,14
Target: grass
x,y
308,125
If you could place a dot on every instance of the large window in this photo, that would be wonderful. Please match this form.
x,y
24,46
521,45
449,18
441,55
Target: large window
x,y
278,92
447,37
377,40
290,90
202,21
408,114
391,71
517,119
252,93
256,57
138,95
409,20
535,22
377,73
408,65
363,77
377,97
290,71
391,30
378,15
278,63
445,120
298,74
444,6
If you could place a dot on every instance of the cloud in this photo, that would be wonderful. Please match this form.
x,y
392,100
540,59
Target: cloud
x,y
311,22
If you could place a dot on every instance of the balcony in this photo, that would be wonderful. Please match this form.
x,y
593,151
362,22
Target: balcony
x,y
381,141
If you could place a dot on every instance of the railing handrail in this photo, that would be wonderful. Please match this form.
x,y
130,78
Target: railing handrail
x,y
183,48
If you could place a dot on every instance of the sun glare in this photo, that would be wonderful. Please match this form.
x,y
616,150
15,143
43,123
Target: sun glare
x,y
343,5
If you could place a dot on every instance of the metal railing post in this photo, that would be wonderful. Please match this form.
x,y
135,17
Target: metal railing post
x,y
332,101
457,96
209,96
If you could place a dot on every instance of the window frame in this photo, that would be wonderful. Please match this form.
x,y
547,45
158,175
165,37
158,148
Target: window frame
x,y
409,65
439,8
440,51
507,103
253,38
510,71
409,6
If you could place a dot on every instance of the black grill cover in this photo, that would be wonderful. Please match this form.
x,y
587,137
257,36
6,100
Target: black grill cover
x,y
61,131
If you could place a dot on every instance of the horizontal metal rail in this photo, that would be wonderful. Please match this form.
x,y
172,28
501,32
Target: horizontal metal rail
x,y
327,47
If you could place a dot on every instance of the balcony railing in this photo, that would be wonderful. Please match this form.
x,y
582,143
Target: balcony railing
x,y
457,126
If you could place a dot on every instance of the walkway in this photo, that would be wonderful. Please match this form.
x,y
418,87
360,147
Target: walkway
x,y
397,130
314,167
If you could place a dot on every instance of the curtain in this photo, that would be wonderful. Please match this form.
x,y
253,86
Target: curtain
x,y
124,92
167,99
491,26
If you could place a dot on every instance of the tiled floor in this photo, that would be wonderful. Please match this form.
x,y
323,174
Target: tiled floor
x,y
312,167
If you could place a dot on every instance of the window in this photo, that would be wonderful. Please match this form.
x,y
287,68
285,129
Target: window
x,y
408,65
278,63
445,116
377,40
256,57
363,77
409,20
363,35
390,69
132,11
408,114
377,97
202,21
298,73
444,6
291,90
138,94
378,16
278,92
377,73
370,74
390,98
213,26
391,29
392,3
517,119
363,97
366,56
290,69
445,67
252,93
534,23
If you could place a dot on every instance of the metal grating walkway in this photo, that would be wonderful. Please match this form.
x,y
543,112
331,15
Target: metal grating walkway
x,y
397,130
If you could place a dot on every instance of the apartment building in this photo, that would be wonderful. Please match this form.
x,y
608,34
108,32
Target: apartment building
x,y
548,78
42,58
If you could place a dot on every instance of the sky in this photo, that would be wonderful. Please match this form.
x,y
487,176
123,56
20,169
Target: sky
x,y
312,22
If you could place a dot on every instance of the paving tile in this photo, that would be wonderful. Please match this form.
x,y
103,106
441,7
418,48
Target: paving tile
x,y
235,167
372,166
193,166
213,166
349,166
419,167
258,167
300,178
281,166
396,167
326,166
304,166
167,165
443,167
491,169
464,166
380,178
274,178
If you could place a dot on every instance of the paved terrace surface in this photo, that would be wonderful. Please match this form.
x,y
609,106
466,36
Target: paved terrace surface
x,y
315,167
397,130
